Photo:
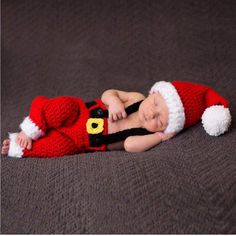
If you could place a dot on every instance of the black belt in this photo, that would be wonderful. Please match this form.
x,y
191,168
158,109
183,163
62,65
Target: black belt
x,y
97,140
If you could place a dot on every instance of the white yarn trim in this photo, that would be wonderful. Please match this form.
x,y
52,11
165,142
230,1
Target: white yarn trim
x,y
175,106
31,129
15,150
216,120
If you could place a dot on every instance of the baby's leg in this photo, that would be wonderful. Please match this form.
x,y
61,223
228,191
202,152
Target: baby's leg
x,y
54,144
51,113
46,114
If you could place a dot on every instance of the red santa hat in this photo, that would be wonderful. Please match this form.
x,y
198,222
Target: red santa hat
x,y
189,103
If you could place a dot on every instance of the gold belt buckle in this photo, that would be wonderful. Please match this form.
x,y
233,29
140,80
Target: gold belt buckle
x,y
95,125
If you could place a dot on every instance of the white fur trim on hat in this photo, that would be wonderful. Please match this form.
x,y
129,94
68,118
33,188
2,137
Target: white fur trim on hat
x,y
216,120
15,150
175,106
31,129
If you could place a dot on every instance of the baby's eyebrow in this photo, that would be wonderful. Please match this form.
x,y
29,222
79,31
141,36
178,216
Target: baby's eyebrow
x,y
155,101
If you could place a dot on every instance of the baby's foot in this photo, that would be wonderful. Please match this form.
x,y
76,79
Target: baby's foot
x,y
5,146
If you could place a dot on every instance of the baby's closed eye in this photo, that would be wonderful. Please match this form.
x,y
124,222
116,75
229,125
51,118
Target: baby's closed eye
x,y
159,123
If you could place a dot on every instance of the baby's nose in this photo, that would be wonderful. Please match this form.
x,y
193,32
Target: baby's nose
x,y
151,115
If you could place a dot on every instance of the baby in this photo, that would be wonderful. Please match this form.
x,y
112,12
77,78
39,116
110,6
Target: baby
x,y
119,120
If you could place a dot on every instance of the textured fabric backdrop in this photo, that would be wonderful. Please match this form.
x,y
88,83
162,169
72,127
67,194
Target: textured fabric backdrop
x,y
81,48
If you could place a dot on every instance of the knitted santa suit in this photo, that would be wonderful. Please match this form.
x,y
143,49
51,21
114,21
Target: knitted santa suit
x,y
59,126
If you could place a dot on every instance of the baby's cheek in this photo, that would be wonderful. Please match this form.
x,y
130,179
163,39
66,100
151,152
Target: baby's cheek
x,y
152,127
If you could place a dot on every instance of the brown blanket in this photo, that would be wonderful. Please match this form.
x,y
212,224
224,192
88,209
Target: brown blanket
x,y
81,48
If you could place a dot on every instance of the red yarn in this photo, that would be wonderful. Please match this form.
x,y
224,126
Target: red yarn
x,y
63,120
195,99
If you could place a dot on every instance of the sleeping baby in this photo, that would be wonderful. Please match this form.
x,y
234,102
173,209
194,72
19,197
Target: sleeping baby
x,y
66,125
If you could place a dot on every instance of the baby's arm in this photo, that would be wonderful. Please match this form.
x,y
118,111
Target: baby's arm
x,y
117,100
145,142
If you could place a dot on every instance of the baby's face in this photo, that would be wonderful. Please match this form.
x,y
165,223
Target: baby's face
x,y
153,113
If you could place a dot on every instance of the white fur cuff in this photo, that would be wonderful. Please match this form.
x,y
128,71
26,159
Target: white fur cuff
x,y
31,129
15,150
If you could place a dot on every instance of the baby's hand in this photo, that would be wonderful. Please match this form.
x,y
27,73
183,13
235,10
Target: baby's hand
x,y
117,111
165,137
23,140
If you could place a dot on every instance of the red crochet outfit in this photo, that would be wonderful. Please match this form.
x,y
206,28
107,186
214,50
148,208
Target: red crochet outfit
x,y
61,126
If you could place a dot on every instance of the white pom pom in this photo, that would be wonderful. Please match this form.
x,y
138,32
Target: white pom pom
x,y
216,120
